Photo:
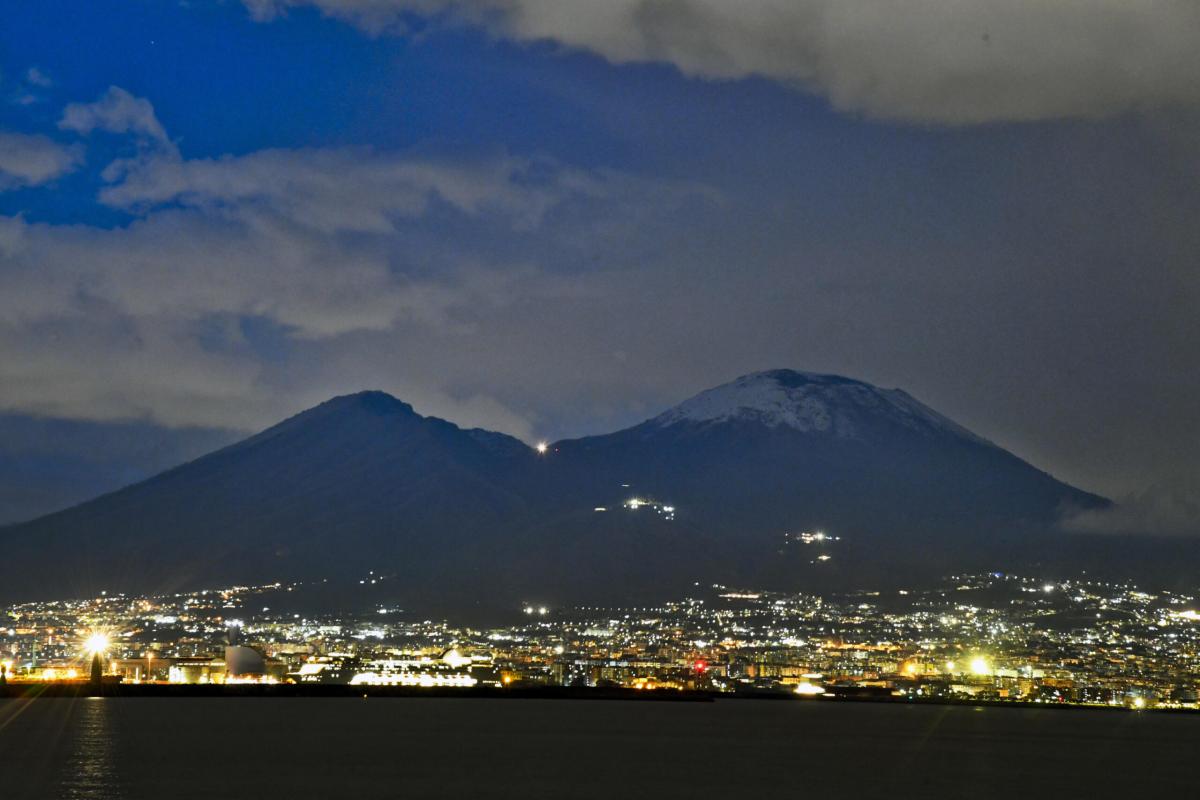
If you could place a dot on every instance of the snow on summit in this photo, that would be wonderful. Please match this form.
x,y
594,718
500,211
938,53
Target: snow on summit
x,y
811,403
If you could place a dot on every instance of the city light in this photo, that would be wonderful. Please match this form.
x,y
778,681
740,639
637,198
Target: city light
x,y
720,639
542,447
665,510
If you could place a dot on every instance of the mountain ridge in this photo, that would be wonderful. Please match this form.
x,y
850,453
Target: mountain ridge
x,y
469,516
801,399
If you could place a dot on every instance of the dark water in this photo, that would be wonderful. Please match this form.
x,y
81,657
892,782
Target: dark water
x,y
105,749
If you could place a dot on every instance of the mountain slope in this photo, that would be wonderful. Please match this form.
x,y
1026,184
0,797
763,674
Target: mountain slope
x,y
361,480
790,439
907,489
467,518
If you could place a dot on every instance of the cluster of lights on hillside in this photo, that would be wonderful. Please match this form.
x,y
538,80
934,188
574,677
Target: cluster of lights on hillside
x,y
812,537
820,539
664,510
987,636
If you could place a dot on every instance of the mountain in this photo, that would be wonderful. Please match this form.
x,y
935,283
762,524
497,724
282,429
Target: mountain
x,y
358,481
907,490
363,486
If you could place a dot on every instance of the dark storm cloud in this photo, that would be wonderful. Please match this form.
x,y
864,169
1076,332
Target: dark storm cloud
x,y
961,62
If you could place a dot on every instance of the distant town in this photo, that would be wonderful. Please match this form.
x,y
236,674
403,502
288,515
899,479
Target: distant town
x,y
979,637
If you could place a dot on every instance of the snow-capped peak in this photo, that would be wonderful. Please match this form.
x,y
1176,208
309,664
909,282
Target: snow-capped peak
x,y
811,403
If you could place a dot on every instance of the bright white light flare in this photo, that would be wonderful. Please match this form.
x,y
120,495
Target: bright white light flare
x,y
96,643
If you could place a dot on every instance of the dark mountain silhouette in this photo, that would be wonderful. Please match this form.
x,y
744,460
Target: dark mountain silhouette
x,y
362,485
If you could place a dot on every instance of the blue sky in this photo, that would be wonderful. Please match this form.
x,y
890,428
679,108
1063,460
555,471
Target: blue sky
x,y
555,219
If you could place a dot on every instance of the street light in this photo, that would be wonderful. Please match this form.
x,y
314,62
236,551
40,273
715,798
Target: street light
x,y
96,644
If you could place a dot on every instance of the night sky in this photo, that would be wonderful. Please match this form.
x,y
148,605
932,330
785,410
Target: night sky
x,y
558,217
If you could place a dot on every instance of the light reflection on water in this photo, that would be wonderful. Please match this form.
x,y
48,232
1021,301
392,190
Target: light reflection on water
x,y
91,770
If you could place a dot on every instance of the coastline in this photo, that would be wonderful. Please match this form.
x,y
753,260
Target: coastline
x,y
84,689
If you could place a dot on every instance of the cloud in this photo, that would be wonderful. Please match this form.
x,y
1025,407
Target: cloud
x,y
36,77
31,88
115,111
155,321
358,190
293,237
240,273
933,61
31,160
1170,508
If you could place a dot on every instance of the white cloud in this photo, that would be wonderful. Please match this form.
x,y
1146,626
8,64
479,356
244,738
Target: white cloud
x,y
1171,508
354,190
313,248
30,89
306,239
940,61
146,321
318,245
31,160
36,77
115,111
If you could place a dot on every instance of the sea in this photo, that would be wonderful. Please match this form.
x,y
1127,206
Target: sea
x,y
363,748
